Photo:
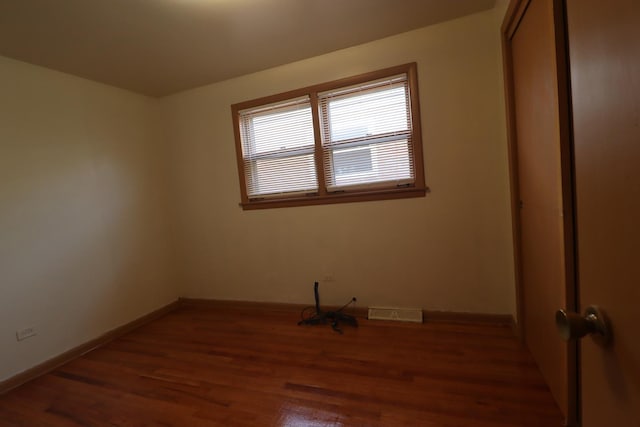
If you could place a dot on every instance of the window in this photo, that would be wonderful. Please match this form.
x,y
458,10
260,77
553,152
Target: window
x,y
348,140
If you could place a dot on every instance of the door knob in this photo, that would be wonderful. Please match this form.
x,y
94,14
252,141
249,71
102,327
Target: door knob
x,y
573,325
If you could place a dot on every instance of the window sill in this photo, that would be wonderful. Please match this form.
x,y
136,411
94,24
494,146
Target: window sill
x,y
368,196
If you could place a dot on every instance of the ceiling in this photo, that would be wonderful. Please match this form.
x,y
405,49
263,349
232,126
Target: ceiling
x,y
159,47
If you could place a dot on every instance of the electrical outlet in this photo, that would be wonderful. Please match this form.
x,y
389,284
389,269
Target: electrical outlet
x,y
25,333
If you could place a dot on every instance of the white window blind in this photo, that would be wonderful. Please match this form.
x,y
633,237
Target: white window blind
x,y
366,135
278,149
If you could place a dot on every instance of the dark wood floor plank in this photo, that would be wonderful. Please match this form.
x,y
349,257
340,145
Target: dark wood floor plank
x,y
226,366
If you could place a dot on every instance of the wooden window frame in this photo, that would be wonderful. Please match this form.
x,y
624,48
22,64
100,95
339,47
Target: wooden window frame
x,y
322,196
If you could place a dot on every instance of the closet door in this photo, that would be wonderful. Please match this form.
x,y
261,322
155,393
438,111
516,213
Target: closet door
x,y
536,75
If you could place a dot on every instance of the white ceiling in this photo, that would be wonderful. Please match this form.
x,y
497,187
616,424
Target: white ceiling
x,y
158,47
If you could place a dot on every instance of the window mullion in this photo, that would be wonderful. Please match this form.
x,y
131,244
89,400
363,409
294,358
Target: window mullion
x,y
322,186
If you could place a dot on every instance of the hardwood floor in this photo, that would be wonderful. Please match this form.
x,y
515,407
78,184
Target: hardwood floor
x,y
243,366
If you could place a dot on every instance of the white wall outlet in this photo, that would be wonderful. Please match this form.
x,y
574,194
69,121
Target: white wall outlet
x,y
25,333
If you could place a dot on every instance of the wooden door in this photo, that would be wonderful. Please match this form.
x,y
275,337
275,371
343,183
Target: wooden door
x,y
604,47
539,141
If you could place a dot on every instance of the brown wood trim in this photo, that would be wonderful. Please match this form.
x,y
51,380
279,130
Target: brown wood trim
x,y
418,189
513,16
240,305
401,193
317,136
239,158
360,312
465,317
69,355
416,122
514,12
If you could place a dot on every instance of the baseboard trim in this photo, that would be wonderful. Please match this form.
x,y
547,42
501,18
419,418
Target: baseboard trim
x,y
360,312
239,305
464,317
429,316
69,355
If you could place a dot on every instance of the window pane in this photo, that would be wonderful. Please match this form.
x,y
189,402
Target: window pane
x,y
370,113
282,130
352,160
283,175
367,135
278,148
389,161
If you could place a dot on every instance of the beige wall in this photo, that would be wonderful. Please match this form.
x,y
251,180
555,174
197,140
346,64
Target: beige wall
x,y
83,222
448,251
